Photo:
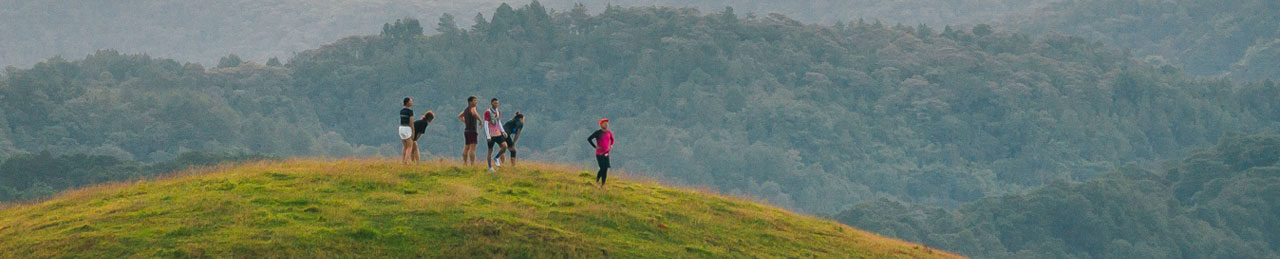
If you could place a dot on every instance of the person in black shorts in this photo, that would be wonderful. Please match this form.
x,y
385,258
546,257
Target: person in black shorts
x,y
494,134
419,127
513,128
470,118
406,130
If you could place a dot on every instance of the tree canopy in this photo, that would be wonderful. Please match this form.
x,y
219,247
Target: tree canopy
x,y
1215,203
1239,39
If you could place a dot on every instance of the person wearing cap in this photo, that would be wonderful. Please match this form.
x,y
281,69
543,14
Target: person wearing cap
x,y
602,141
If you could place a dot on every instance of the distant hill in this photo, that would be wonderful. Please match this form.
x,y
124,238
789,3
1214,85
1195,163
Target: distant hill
x,y
1220,202
203,31
362,208
25,177
1240,39
1237,38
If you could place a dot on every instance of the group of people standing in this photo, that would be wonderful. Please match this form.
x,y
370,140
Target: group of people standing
x,y
504,135
497,133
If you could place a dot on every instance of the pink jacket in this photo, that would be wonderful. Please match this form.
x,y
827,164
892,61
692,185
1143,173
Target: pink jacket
x,y
602,141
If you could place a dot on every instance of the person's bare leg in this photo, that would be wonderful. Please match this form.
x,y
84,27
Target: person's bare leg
x,y
470,154
415,156
404,151
489,157
503,150
512,152
464,155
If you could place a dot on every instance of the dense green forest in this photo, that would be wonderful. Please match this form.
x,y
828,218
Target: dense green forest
x,y
40,175
1235,38
809,117
1239,38
203,31
1216,203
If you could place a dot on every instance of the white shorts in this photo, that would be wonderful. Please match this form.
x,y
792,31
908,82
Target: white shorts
x,y
406,132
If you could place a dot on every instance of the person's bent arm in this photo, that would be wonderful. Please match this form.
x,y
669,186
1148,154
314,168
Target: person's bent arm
x,y
411,128
592,138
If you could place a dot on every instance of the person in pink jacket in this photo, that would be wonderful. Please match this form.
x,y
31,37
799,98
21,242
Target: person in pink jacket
x,y
602,141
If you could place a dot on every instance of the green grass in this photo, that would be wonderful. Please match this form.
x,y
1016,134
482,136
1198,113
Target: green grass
x,y
369,208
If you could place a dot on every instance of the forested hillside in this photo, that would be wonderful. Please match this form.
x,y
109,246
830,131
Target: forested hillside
x,y
1204,37
1216,203
1240,38
203,31
25,177
808,117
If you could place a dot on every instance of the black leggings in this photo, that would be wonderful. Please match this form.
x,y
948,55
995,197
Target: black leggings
x,y
604,168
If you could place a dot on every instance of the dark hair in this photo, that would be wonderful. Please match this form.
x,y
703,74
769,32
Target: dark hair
x,y
472,98
429,116
406,100
518,116
493,100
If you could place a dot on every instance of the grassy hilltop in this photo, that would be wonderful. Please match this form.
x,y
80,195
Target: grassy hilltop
x,y
370,208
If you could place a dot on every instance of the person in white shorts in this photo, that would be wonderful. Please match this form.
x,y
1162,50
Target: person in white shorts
x,y
406,130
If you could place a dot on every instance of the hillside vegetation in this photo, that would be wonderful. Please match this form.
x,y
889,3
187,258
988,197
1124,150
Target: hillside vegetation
x,y
367,208
1235,38
808,117
1239,38
25,177
203,31
1216,203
